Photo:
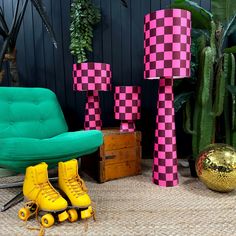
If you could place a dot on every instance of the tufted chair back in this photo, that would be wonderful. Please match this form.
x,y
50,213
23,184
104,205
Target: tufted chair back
x,y
30,112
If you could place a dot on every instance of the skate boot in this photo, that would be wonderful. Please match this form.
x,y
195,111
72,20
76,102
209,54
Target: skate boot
x,y
42,197
74,188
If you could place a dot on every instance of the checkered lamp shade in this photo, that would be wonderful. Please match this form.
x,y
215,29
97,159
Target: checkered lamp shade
x,y
167,39
127,106
92,77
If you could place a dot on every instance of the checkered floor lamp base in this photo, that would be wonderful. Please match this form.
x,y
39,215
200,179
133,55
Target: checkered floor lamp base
x,y
127,106
92,112
92,77
167,39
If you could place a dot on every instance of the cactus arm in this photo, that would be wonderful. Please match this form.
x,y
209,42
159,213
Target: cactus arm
x,y
229,115
206,64
206,128
203,116
226,105
195,136
187,118
213,39
201,44
220,89
232,82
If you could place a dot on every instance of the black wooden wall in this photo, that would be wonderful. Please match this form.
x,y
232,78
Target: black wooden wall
x,y
118,40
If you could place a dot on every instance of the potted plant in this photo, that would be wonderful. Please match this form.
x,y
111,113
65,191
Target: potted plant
x,y
10,33
84,15
215,86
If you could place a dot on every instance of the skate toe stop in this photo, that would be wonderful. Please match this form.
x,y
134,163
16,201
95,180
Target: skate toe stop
x,y
63,216
85,214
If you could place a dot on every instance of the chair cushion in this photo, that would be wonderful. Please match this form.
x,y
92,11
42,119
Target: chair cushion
x,y
30,151
30,113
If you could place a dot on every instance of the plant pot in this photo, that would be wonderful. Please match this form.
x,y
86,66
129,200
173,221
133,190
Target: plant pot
x,y
192,168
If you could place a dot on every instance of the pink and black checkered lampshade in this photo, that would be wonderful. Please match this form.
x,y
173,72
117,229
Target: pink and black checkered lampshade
x,y
127,106
167,41
92,77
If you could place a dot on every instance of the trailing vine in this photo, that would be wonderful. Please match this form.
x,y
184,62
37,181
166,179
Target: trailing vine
x,y
84,15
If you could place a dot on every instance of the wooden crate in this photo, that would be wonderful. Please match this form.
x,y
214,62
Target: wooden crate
x,y
119,156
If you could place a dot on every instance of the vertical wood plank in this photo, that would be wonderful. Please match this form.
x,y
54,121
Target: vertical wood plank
x,y
40,80
126,56
108,100
137,14
29,40
149,102
155,5
49,53
165,4
8,14
70,109
58,54
21,55
116,42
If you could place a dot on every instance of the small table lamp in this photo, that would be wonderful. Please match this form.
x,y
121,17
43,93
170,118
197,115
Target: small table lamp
x,y
92,77
127,106
167,39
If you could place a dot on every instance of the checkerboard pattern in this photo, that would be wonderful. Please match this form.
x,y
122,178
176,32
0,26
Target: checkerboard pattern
x,y
167,39
90,76
127,126
165,158
92,112
127,106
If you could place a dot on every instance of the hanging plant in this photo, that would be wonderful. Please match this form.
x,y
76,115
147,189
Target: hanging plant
x,y
84,15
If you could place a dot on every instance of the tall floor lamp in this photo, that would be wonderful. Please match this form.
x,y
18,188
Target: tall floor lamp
x,y
167,39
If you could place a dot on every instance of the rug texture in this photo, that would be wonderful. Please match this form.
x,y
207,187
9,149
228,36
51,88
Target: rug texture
x,y
135,206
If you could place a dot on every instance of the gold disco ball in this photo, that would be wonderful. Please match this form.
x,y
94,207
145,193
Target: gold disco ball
x,y
216,167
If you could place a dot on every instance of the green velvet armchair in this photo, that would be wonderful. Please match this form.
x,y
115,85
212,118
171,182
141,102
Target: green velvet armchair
x,y
33,130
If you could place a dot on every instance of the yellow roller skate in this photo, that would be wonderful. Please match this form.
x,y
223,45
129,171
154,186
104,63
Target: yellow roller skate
x,y
70,183
42,198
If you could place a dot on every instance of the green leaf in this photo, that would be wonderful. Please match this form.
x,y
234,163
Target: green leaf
x,y
201,18
180,99
84,15
230,50
223,10
230,29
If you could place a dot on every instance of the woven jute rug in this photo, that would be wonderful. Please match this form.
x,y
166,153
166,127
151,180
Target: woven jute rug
x,y
135,206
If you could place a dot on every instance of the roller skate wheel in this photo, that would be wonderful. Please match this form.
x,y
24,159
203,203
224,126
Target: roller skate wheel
x,y
63,216
47,220
24,213
85,214
73,215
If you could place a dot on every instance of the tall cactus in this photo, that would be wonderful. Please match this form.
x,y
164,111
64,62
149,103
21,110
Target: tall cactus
x,y
230,100
205,110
